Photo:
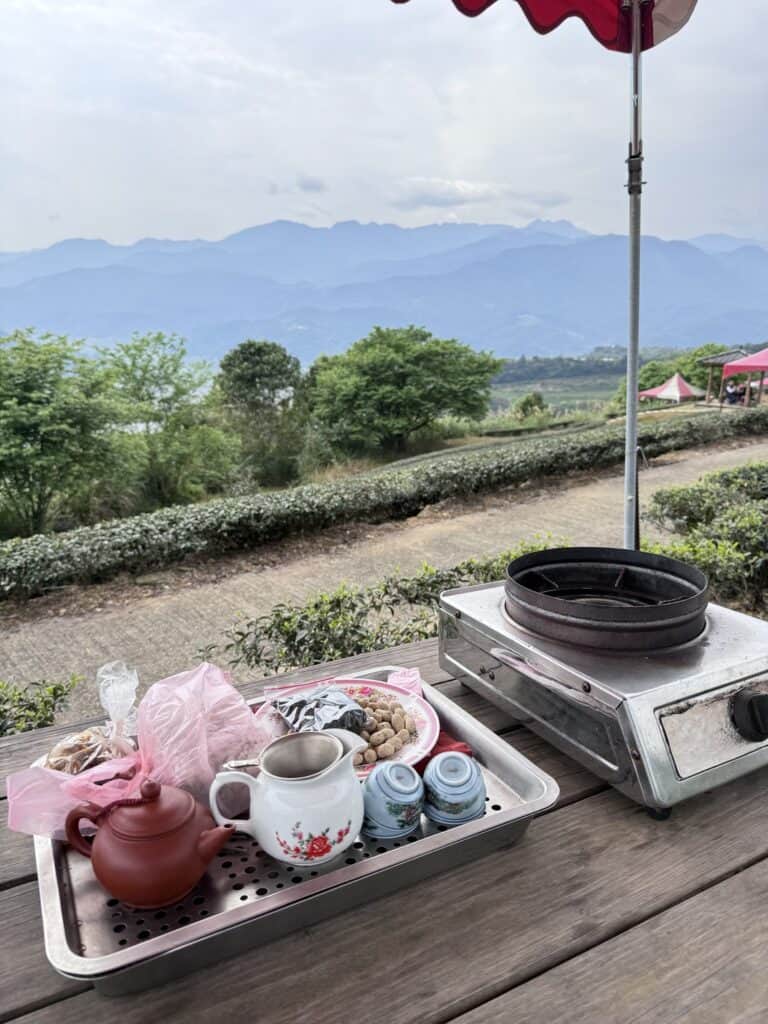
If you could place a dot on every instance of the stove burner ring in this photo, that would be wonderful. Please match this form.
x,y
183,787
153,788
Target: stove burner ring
x,y
610,598
607,600
661,651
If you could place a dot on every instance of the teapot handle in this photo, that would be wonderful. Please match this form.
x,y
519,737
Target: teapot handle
x,y
92,813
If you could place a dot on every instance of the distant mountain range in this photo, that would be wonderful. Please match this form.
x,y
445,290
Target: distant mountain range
x,y
548,288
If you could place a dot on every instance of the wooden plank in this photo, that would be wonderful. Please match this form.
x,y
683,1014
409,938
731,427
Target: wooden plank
x,y
18,752
491,716
17,854
26,980
582,875
701,962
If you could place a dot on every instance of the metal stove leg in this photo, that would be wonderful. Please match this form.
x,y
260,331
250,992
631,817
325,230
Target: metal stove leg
x,y
659,813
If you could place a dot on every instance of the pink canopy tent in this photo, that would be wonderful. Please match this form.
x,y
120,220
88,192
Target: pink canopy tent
x,y
676,389
628,26
757,363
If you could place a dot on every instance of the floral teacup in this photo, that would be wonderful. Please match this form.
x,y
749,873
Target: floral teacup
x,y
455,789
393,796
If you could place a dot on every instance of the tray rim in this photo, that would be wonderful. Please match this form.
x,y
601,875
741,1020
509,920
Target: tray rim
x,y
82,968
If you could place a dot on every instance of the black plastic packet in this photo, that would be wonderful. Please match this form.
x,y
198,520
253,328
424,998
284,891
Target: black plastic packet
x,y
326,708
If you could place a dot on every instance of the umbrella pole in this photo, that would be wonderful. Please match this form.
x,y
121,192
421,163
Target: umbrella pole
x,y
635,189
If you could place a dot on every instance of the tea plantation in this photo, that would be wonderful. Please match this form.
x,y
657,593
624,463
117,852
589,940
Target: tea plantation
x,y
35,564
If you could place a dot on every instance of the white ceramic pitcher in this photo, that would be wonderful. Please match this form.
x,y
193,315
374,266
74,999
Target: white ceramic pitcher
x,y
306,803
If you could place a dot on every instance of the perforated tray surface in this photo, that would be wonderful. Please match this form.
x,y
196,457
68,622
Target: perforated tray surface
x,y
247,898
241,874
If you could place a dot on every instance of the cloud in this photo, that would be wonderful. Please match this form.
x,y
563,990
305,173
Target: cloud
x,y
190,119
417,193
308,183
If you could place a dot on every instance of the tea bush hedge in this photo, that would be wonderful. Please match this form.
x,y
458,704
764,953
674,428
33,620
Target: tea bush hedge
x,y
402,609
33,565
683,508
723,519
350,620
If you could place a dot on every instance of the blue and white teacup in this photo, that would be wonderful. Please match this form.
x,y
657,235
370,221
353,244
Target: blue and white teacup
x,y
393,796
454,789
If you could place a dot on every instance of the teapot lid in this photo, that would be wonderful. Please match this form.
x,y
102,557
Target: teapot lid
x,y
159,810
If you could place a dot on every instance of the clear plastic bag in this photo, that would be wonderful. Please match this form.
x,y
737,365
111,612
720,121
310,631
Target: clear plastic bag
x,y
188,726
83,750
117,692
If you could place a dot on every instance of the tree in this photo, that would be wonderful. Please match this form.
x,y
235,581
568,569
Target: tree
x,y
654,373
187,454
56,412
258,386
688,364
154,377
532,404
397,381
258,376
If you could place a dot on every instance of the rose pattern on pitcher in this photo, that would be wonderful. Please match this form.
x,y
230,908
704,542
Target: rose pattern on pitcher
x,y
311,847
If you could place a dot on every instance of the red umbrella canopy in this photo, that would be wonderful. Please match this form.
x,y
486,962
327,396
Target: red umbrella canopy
x,y
609,21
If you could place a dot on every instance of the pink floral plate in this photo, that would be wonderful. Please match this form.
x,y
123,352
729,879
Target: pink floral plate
x,y
419,746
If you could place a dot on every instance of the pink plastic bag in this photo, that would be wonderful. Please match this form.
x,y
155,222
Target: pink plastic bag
x,y
188,726
409,678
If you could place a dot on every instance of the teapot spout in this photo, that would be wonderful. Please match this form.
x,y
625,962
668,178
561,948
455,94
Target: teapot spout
x,y
212,840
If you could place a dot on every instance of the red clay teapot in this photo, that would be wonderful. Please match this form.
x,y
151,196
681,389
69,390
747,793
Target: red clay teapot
x,y
151,850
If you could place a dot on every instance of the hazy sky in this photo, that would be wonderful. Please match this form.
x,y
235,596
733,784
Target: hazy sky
x,y
186,118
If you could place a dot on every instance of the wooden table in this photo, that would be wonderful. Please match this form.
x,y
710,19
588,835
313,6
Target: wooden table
x,y
600,914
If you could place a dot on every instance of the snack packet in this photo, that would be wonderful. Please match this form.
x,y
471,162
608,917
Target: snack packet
x,y
325,708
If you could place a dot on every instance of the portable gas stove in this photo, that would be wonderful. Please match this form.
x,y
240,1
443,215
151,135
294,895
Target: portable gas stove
x,y
617,659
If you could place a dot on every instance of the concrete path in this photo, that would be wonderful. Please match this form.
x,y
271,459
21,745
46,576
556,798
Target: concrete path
x,y
161,634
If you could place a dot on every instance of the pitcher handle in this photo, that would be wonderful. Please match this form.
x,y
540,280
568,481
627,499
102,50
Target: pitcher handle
x,y
224,779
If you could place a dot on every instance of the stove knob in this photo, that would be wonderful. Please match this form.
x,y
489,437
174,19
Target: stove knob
x,y
750,714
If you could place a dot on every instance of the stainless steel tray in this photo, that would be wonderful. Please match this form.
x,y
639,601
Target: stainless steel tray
x,y
246,898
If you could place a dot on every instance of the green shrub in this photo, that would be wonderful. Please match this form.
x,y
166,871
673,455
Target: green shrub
x,y
683,508
33,706
351,620
724,522
32,565
721,561
530,406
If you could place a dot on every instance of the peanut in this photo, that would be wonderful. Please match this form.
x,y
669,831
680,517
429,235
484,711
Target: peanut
x,y
370,755
410,725
403,735
357,759
378,738
398,721
385,750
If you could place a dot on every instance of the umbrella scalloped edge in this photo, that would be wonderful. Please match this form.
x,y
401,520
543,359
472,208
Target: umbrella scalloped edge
x,y
609,21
